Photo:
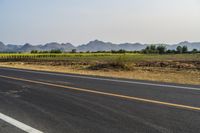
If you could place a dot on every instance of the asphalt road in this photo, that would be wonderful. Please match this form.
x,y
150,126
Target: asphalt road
x,y
66,103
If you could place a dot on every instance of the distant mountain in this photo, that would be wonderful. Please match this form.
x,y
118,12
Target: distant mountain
x,y
28,47
132,46
12,47
107,46
190,45
2,47
94,46
98,46
57,46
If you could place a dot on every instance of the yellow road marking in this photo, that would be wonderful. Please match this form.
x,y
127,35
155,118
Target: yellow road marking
x,y
106,93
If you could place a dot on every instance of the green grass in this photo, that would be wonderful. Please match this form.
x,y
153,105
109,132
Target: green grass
x,y
98,57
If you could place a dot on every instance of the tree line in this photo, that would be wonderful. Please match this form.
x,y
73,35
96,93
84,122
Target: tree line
x,y
151,49
43,52
161,49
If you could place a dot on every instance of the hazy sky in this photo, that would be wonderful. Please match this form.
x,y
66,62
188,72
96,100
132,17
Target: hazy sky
x,y
79,21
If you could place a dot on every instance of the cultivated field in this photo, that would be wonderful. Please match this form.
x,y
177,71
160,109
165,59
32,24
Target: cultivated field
x,y
179,68
99,56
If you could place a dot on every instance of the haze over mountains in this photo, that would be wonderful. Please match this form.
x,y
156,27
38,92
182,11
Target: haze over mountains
x,y
92,46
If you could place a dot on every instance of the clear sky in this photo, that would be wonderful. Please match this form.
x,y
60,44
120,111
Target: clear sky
x,y
79,21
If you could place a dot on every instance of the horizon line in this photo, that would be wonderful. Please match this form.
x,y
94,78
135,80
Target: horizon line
x,y
99,41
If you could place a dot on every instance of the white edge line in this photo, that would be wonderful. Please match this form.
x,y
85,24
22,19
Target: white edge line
x,y
19,124
105,79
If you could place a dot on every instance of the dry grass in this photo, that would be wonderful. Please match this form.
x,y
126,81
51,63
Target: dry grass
x,y
141,73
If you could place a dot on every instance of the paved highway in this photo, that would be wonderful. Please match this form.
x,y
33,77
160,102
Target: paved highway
x,y
44,102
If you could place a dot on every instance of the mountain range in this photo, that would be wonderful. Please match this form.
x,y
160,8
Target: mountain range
x,y
92,46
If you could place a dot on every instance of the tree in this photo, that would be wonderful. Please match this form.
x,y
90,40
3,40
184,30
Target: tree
x,y
194,51
179,50
34,51
169,51
121,51
147,48
161,49
184,49
118,51
56,51
73,50
152,47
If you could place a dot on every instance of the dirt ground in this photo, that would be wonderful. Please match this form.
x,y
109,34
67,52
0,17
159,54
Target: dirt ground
x,y
142,72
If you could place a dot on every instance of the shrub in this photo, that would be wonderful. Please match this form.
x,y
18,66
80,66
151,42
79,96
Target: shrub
x,y
73,50
34,52
179,50
184,49
56,51
161,49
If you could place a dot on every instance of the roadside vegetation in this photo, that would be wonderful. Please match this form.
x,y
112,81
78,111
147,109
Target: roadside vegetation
x,y
153,63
